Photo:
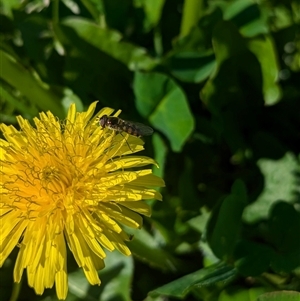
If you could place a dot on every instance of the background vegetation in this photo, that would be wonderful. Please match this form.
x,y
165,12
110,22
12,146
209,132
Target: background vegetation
x,y
219,81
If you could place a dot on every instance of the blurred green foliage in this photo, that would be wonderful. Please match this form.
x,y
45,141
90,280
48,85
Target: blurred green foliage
x,y
219,81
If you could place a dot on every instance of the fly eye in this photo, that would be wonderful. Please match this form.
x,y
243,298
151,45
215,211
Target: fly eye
x,y
103,121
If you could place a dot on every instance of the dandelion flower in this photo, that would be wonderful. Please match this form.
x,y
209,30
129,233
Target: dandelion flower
x,y
69,183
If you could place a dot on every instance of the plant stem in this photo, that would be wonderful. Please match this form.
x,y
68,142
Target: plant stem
x,y
16,291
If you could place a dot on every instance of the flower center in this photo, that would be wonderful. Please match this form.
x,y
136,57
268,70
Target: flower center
x,y
51,179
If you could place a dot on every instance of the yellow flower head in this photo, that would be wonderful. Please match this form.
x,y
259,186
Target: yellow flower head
x,y
69,182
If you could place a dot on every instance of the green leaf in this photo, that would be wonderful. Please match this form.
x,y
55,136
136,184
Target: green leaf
x,y
94,7
8,6
72,6
252,259
233,94
264,49
147,249
191,66
247,16
284,224
199,37
283,17
110,42
25,110
214,275
152,10
116,13
92,75
279,185
288,261
240,294
160,98
267,145
30,85
280,296
70,98
239,189
199,222
177,123
186,187
115,279
192,10
225,223
160,151
149,89
34,29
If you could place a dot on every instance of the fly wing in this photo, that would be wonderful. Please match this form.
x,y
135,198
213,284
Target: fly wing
x,y
142,129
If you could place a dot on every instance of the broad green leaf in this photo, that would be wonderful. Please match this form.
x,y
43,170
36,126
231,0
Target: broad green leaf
x,y
227,41
255,28
160,150
199,222
239,189
241,294
288,261
72,6
186,187
30,85
147,249
115,279
110,42
95,7
225,224
92,75
247,16
280,296
176,123
267,145
237,7
230,51
282,16
160,98
233,93
36,6
264,49
70,98
217,274
279,185
284,224
199,37
153,10
42,47
7,7
252,259
26,110
209,258
191,66
157,298
78,284
192,10
116,13
150,89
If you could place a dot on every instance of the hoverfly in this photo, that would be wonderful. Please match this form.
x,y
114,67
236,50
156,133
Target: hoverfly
x,y
119,125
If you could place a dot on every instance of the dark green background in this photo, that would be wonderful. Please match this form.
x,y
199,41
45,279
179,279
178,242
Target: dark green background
x,y
219,82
